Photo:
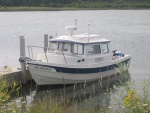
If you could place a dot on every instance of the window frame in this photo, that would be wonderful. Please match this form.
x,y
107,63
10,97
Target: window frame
x,y
71,51
63,45
107,47
94,49
53,48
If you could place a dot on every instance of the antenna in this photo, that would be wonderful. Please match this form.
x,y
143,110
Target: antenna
x,y
88,29
56,23
75,22
56,35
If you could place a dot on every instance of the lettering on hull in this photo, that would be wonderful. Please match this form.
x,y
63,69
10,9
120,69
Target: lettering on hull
x,y
42,68
100,59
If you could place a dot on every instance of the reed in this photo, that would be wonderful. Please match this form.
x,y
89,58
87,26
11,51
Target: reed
x,y
6,105
120,97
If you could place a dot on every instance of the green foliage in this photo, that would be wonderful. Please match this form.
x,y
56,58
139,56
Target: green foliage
x,y
47,105
78,3
5,92
127,99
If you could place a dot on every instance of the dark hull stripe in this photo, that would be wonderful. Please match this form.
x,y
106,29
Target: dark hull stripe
x,y
84,70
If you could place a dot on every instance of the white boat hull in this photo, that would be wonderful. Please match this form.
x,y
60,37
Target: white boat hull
x,y
61,78
45,74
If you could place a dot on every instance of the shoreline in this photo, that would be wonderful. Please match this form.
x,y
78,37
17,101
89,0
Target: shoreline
x,y
23,8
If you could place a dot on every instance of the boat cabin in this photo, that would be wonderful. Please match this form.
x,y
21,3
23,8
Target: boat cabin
x,y
62,50
78,49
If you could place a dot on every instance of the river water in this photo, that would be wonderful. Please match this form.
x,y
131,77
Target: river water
x,y
129,31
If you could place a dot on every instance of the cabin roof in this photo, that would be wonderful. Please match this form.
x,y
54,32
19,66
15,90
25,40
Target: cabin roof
x,y
81,39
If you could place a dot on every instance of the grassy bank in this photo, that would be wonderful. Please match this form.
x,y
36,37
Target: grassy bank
x,y
127,99
122,97
80,6
22,8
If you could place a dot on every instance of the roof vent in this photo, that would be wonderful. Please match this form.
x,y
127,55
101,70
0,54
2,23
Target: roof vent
x,y
70,29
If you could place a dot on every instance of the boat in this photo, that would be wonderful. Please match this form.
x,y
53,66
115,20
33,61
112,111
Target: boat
x,y
76,58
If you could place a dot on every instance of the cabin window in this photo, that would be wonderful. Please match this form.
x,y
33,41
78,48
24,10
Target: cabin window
x,y
66,46
53,45
60,46
93,49
105,47
77,48
63,46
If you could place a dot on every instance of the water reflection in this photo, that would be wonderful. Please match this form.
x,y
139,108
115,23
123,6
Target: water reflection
x,y
92,94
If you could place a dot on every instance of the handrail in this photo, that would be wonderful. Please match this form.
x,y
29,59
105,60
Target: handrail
x,y
64,57
29,46
29,51
39,47
32,53
46,56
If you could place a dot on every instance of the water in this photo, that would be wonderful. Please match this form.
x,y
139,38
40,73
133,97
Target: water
x,y
127,29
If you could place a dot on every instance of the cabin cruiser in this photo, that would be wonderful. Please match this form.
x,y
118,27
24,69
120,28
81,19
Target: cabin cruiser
x,y
76,58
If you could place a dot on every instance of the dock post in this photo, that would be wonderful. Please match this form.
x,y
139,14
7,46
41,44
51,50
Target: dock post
x,y
23,64
46,45
45,42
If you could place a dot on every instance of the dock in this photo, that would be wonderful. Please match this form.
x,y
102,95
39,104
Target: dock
x,y
13,74
19,74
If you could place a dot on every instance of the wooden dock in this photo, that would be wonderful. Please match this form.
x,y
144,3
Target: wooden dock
x,y
12,74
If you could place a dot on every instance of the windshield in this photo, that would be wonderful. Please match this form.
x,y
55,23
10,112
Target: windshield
x,y
105,48
93,49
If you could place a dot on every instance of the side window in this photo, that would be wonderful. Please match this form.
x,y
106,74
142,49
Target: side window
x,y
60,46
96,49
66,46
93,49
63,46
80,49
104,47
77,48
53,45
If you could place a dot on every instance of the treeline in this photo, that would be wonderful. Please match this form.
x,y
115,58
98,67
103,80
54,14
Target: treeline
x,y
75,3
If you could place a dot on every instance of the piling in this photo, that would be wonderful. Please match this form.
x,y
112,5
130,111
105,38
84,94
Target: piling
x,y
45,42
22,46
23,64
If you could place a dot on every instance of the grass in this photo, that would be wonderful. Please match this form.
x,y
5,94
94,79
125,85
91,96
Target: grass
x,y
133,100
121,97
5,93
126,100
24,8
81,6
